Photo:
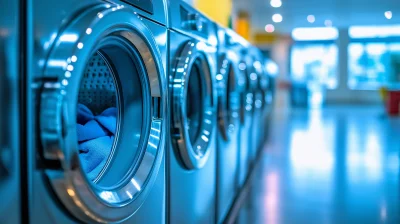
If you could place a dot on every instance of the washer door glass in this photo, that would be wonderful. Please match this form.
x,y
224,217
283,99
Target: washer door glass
x,y
194,107
100,110
193,115
97,115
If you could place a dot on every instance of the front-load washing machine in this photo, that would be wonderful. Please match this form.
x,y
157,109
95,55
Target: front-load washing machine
x,y
192,152
9,113
255,56
247,114
97,112
269,69
230,86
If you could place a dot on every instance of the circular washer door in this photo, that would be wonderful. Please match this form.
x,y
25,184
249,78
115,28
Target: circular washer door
x,y
248,95
264,85
193,107
244,101
229,87
102,114
258,102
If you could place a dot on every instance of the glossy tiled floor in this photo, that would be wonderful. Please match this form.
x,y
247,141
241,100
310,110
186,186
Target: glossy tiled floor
x,y
335,165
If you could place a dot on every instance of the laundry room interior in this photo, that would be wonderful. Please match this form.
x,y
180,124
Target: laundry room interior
x,y
200,111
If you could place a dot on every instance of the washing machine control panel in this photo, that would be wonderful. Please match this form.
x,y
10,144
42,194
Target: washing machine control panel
x,y
145,5
194,22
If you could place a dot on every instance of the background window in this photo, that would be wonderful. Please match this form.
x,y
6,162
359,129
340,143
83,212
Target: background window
x,y
315,63
372,65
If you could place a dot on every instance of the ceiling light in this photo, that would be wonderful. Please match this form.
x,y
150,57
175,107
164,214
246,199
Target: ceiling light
x,y
277,18
269,28
360,32
276,3
328,22
311,18
388,14
315,33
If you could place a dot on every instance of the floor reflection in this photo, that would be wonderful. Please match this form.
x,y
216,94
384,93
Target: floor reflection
x,y
334,165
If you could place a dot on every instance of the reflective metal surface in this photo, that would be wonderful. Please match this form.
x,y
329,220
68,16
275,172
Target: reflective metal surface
x,y
259,102
335,165
9,115
186,20
194,153
82,35
155,10
124,198
267,83
252,101
197,195
247,151
231,85
245,124
191,193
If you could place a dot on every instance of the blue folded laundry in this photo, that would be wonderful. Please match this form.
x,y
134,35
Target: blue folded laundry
x,y
95,138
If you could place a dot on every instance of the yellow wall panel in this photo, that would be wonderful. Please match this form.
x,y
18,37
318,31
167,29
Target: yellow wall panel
x,y
218,10
242,25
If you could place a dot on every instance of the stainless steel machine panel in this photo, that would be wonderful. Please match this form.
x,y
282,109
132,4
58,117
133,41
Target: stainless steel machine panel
x,y
231,85
97,114
192,152
266,85
155,10
248,100
246,116
259,103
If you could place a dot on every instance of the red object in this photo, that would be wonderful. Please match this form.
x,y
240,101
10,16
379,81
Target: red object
x,y
393,102
283,84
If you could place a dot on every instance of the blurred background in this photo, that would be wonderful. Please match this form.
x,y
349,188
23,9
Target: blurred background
x,y
332,51
333,150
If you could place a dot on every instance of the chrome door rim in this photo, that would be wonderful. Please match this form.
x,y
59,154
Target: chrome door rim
x,y
77,42
245,97
193,156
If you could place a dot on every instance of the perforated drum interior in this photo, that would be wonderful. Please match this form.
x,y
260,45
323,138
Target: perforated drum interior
x,y
97,90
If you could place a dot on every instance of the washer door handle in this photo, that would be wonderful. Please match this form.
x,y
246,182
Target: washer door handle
x,y
53,120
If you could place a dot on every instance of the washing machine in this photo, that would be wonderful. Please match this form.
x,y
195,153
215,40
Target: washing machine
x,y
10,211
247,138
192,152
230,85
269,70
246,115
256,58
97,111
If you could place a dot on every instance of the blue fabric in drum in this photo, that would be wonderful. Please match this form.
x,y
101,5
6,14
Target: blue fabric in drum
x,y
95,138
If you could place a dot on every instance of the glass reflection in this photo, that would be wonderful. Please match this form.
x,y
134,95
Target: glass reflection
x,y
194,107
96,116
